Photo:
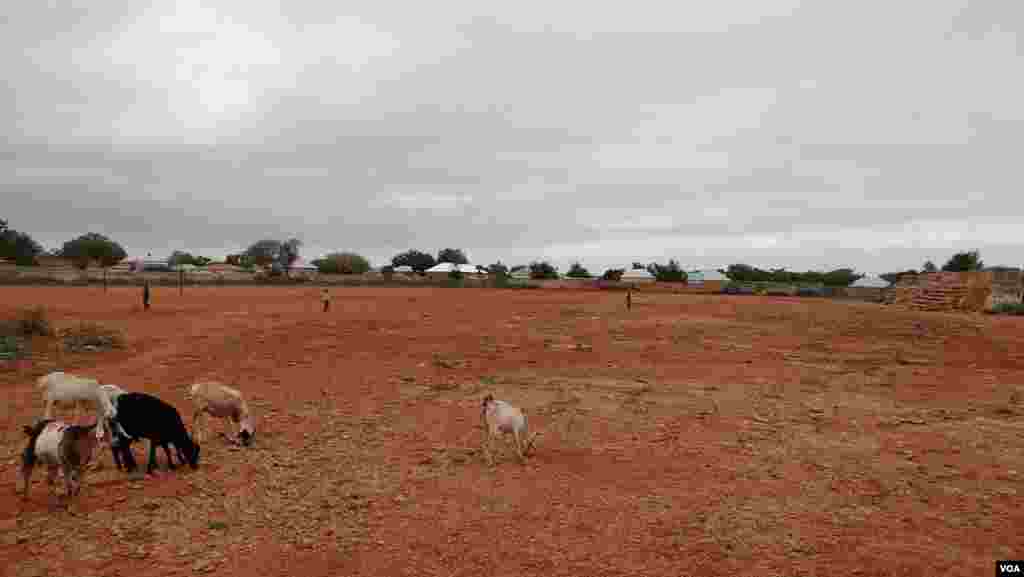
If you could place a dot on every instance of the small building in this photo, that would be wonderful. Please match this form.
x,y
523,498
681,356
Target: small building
x,y
709,280
404,269
302,268
867,288
637,276
521,274
444,270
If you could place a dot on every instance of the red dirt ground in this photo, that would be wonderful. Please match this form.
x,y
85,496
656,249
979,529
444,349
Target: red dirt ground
x,y
693,435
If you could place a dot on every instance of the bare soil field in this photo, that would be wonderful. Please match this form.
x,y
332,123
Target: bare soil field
x,y
693,435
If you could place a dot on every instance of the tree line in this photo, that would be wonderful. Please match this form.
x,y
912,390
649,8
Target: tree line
x,y
280,254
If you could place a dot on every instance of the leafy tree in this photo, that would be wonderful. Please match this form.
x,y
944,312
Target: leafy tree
x,y
93,247
289,252
18,246
964,261
419,261
577,271
454,255
671,272
279,254
498,269
929,266
638,265
342,263
180,257
518,268
613,274
543,270
263,252
840,277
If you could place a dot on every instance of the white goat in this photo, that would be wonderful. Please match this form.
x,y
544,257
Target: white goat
x,y
218,400
501,417
66,388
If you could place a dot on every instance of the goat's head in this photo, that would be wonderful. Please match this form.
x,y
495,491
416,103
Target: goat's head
x,y
247,428
484,404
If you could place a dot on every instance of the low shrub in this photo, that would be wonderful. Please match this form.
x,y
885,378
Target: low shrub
x,y
89,336
28,322
1016,309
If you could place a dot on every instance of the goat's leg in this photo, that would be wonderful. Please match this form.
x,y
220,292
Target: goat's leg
x,y
26,476
519,445
151,466
170,460
48,407
51,483
197,431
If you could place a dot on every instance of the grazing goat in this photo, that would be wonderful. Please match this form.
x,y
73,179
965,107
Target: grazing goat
x,y
217,400
59,446
501,417
65,387
143,416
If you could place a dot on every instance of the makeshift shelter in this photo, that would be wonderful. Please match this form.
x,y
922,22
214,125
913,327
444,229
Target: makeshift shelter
x,y
636,276
709,280
870,282
871,289
302,268
444,269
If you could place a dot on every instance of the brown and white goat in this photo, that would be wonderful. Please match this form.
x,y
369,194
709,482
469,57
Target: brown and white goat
x,y
501,417
217,400
59,446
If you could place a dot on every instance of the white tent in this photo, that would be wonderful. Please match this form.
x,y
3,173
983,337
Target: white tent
x,y
301,265
447,267
870,282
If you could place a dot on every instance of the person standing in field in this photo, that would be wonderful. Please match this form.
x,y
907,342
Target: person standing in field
x,y
629,298
145,295
326,298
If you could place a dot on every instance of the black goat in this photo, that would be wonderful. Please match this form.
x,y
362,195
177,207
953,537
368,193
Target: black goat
x,y
143,416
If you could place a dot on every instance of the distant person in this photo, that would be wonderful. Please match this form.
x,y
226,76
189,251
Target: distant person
x,y
326,298
145,295
629,299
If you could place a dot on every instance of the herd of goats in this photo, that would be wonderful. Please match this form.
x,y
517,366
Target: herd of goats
x,y
123,417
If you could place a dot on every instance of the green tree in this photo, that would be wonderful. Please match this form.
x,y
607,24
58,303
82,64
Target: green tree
x,y
180,257
964,261
929,266
93,247
263,252
671,272
418,260
342,263
455,255
498,269
543,270
577,271
840,277
18,246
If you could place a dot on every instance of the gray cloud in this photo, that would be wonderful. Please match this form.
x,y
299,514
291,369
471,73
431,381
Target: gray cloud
x,y
778,133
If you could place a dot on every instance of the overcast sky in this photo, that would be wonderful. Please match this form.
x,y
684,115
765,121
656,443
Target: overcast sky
x,y
798,134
